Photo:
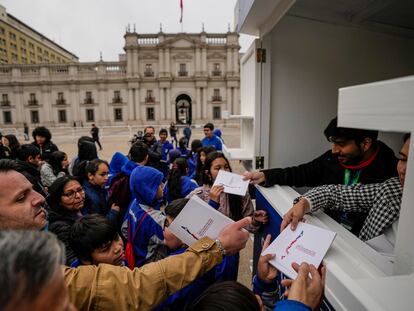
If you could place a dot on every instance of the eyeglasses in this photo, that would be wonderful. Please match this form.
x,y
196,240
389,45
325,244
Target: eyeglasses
x,y
71,194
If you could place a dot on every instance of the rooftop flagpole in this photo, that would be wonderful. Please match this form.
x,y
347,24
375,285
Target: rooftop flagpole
x,y
181,18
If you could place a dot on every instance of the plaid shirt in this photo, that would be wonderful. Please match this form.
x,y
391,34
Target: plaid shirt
x,y
381,201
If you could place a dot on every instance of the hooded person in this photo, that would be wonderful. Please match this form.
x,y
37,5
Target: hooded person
x,y
143,222
218,134
117,162
86,152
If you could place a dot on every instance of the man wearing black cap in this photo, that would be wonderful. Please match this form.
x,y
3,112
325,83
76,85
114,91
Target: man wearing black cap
x,y
356,156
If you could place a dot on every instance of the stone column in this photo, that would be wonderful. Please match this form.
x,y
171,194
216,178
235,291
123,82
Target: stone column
x,y
236,100
235,61
229,62
229,100
161,69
18,102
197,61
75,103
204,114
135,62
168,103
137,105
131,107
167,61
45,113
162,104
204,59
130,63
198,104
103,104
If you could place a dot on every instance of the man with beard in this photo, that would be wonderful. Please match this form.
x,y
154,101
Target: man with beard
x,y
356,156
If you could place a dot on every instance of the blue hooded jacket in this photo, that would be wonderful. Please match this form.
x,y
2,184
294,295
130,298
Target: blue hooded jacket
x,y
187,185
144,182
118,160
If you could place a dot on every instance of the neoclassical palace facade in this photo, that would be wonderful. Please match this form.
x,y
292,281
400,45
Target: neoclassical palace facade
x,y
185,78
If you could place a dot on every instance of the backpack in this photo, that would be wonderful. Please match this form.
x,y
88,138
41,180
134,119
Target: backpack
x,y
119,192
129,249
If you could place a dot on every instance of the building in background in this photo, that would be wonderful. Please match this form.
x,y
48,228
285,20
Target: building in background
x,y
161,78
21,44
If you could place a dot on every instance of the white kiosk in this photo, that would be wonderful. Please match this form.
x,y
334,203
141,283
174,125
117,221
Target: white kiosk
x,y
314,60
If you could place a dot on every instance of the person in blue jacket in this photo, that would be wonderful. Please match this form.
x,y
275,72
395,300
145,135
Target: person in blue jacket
x,y
164,147
192,158
182,146
218,133
187,133
210,139
94,186
182,298
143,222
178,184
118,160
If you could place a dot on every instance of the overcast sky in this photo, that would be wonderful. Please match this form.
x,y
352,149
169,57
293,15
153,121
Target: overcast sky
x,y
86,27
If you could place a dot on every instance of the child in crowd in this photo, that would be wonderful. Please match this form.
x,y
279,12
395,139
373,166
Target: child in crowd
x,y
182,147
179,300
96,195
95,240
210,139
163,146
201,158
178,184
218,134
11,145
57,166
143,222
233,206
115,165
173,133
192,158
86,152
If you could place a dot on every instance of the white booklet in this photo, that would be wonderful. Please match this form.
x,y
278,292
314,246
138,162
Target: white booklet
x,y
233,183
307,243
197,220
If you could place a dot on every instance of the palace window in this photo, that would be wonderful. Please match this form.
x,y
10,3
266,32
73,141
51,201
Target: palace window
x,y
34,116
150,114
150,97
148,70
5,100
118,114
90,115
216,69
117,97
32,100
183,70
7,117
216,113
62,116
88,98
216,95
60,99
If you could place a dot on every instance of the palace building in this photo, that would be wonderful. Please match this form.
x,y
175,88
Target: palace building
x,y
186,78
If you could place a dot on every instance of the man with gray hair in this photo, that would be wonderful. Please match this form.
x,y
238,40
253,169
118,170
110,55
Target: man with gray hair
x,y
31,274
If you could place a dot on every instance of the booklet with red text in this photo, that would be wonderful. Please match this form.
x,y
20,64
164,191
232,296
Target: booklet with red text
x,y
197,220
307,243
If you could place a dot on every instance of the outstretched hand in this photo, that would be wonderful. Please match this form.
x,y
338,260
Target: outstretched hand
x,y
265,271
254,177
234,237
295,214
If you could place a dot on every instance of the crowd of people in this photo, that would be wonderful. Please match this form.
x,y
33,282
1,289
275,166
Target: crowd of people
x,y
108,222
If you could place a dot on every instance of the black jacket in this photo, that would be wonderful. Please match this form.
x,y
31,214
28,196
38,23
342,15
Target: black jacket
x,y
326,170
60,223
46,149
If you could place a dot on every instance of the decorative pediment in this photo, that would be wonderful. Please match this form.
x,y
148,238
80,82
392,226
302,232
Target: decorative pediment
x,y
149,56
182,56
182,41
216,55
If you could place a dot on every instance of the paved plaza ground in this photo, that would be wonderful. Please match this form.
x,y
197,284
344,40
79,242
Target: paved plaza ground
x,y
117,139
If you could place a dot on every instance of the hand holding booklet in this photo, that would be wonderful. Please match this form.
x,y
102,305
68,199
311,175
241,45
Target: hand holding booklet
x,y
232,183
307,243
197,220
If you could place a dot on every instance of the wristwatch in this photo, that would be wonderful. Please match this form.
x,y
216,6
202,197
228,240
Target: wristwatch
x,y
220,246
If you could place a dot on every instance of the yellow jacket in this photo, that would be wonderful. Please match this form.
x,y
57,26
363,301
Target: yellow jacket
x,y
107,287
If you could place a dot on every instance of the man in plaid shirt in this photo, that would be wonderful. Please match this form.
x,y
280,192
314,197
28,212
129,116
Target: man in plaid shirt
x,y
382,201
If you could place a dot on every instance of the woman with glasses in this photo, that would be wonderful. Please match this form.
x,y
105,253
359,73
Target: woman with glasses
x,y
66,201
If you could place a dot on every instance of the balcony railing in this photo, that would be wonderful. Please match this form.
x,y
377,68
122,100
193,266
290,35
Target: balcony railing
x,y
216,98
33,102
5,103
183,73
216,73
149,99
149,73
117,100
88,101
61,101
